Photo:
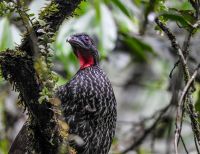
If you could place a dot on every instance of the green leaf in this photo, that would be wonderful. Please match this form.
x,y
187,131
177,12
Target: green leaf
x,y
137,2
107,31
178,17
160,6
98,10
31,15
123,8
84,8
188,15
185,5
138,47
6,40
4,146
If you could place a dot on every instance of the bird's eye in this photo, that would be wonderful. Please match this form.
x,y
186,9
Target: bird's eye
x,y
87,39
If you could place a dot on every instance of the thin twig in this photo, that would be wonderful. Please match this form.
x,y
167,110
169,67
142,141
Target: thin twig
x,y
148,130
183,54
181,121
176,47
186,43
176,139
25,19
196,145
188,85
175,65
184,145
193,118
180,105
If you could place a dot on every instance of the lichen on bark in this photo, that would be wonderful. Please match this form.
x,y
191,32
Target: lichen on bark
x,y
28,69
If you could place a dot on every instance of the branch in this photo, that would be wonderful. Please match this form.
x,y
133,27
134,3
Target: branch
x,y
41,133
186,150
65,9
188,85
147,131
176,47
183,54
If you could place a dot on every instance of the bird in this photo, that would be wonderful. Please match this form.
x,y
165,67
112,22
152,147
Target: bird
x,y
88,101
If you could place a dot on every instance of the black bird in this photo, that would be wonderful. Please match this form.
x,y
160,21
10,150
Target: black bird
x,y
88,100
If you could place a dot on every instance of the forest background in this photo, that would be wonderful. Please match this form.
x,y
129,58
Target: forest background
x,y
150,52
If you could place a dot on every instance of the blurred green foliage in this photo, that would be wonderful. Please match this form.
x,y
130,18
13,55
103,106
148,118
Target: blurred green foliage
x,y
6,38
112,22
105,19
6,41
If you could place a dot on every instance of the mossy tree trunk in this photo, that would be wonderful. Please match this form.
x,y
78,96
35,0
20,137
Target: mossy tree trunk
x,y
25,68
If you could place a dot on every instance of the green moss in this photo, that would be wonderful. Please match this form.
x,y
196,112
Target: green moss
x,y
48,11
31,75
6,8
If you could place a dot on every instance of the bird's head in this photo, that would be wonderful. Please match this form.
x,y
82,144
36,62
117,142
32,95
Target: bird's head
x,y
84,49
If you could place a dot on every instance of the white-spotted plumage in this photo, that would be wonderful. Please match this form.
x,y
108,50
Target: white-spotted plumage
x,y
89,107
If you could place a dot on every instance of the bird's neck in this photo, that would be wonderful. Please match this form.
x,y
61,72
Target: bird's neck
x,y
85,61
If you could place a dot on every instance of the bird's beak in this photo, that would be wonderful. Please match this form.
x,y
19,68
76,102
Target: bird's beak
x,y
68,39
75,41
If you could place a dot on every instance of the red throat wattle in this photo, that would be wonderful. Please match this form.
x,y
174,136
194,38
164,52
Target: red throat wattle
x,y
85,61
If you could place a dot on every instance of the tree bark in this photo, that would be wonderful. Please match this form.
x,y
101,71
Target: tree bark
x,y
40,134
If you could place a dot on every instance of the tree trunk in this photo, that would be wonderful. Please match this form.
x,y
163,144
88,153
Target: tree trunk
x,y
40,134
